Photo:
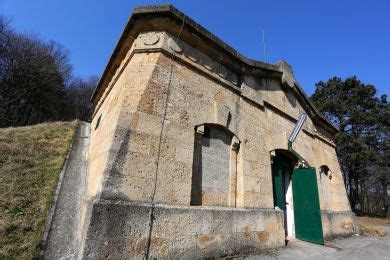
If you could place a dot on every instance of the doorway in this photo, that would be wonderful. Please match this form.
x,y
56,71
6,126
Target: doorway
x,y
296,194
282,170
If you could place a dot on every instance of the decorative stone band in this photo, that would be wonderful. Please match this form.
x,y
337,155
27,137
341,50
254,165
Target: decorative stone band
x,y
149,41
163,40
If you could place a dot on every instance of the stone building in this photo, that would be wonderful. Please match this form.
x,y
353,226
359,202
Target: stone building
x,y
189,150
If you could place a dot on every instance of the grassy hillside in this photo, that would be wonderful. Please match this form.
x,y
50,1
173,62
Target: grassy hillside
x,y
31,159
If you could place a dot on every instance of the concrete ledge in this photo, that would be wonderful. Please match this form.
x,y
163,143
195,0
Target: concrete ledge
x,y
337,223
61,235
119,229
49,218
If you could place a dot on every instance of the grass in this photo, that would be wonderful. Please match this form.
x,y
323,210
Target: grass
x,y
31,159
372,226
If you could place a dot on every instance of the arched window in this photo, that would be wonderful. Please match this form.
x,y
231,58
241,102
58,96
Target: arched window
x,y
325,171
325,177
214,166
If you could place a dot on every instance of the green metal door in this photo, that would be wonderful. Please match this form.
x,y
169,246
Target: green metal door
x,y
307,214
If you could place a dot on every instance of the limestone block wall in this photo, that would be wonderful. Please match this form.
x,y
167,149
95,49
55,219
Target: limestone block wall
x,y
180,232
337,223
134,111
107,127
135,155
117,103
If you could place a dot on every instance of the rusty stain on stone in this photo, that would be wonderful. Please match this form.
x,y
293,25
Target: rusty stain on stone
x,y
204,240
245,232
263,237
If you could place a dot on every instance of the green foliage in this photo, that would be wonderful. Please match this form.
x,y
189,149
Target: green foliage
x,y
363,140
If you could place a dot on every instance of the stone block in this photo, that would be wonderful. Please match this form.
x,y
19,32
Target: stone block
x,y
252,184
337,224
148,124
140,142
184,154
188,232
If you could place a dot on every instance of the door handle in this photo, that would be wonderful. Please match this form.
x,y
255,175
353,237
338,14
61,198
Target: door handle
x,y
318,213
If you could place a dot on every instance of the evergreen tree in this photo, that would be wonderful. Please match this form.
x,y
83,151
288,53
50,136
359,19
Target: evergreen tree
x,y
363,140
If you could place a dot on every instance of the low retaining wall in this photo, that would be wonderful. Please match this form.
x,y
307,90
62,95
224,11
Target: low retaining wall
x,y
337,224
119,229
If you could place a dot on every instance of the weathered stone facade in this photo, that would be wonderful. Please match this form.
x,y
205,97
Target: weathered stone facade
x,y
224,115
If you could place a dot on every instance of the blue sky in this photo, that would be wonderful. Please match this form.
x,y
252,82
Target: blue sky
x,y
320,39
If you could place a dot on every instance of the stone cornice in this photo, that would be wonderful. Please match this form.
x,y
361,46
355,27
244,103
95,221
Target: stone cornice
x,y
161,41
169,19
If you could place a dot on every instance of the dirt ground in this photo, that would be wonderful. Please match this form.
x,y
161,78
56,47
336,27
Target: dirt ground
x,y
374,221
372,226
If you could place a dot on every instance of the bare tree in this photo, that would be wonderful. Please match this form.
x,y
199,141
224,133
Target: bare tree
x,y
78,98
33,78
36,82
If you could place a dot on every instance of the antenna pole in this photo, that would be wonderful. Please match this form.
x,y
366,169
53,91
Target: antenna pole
x,y
265,55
